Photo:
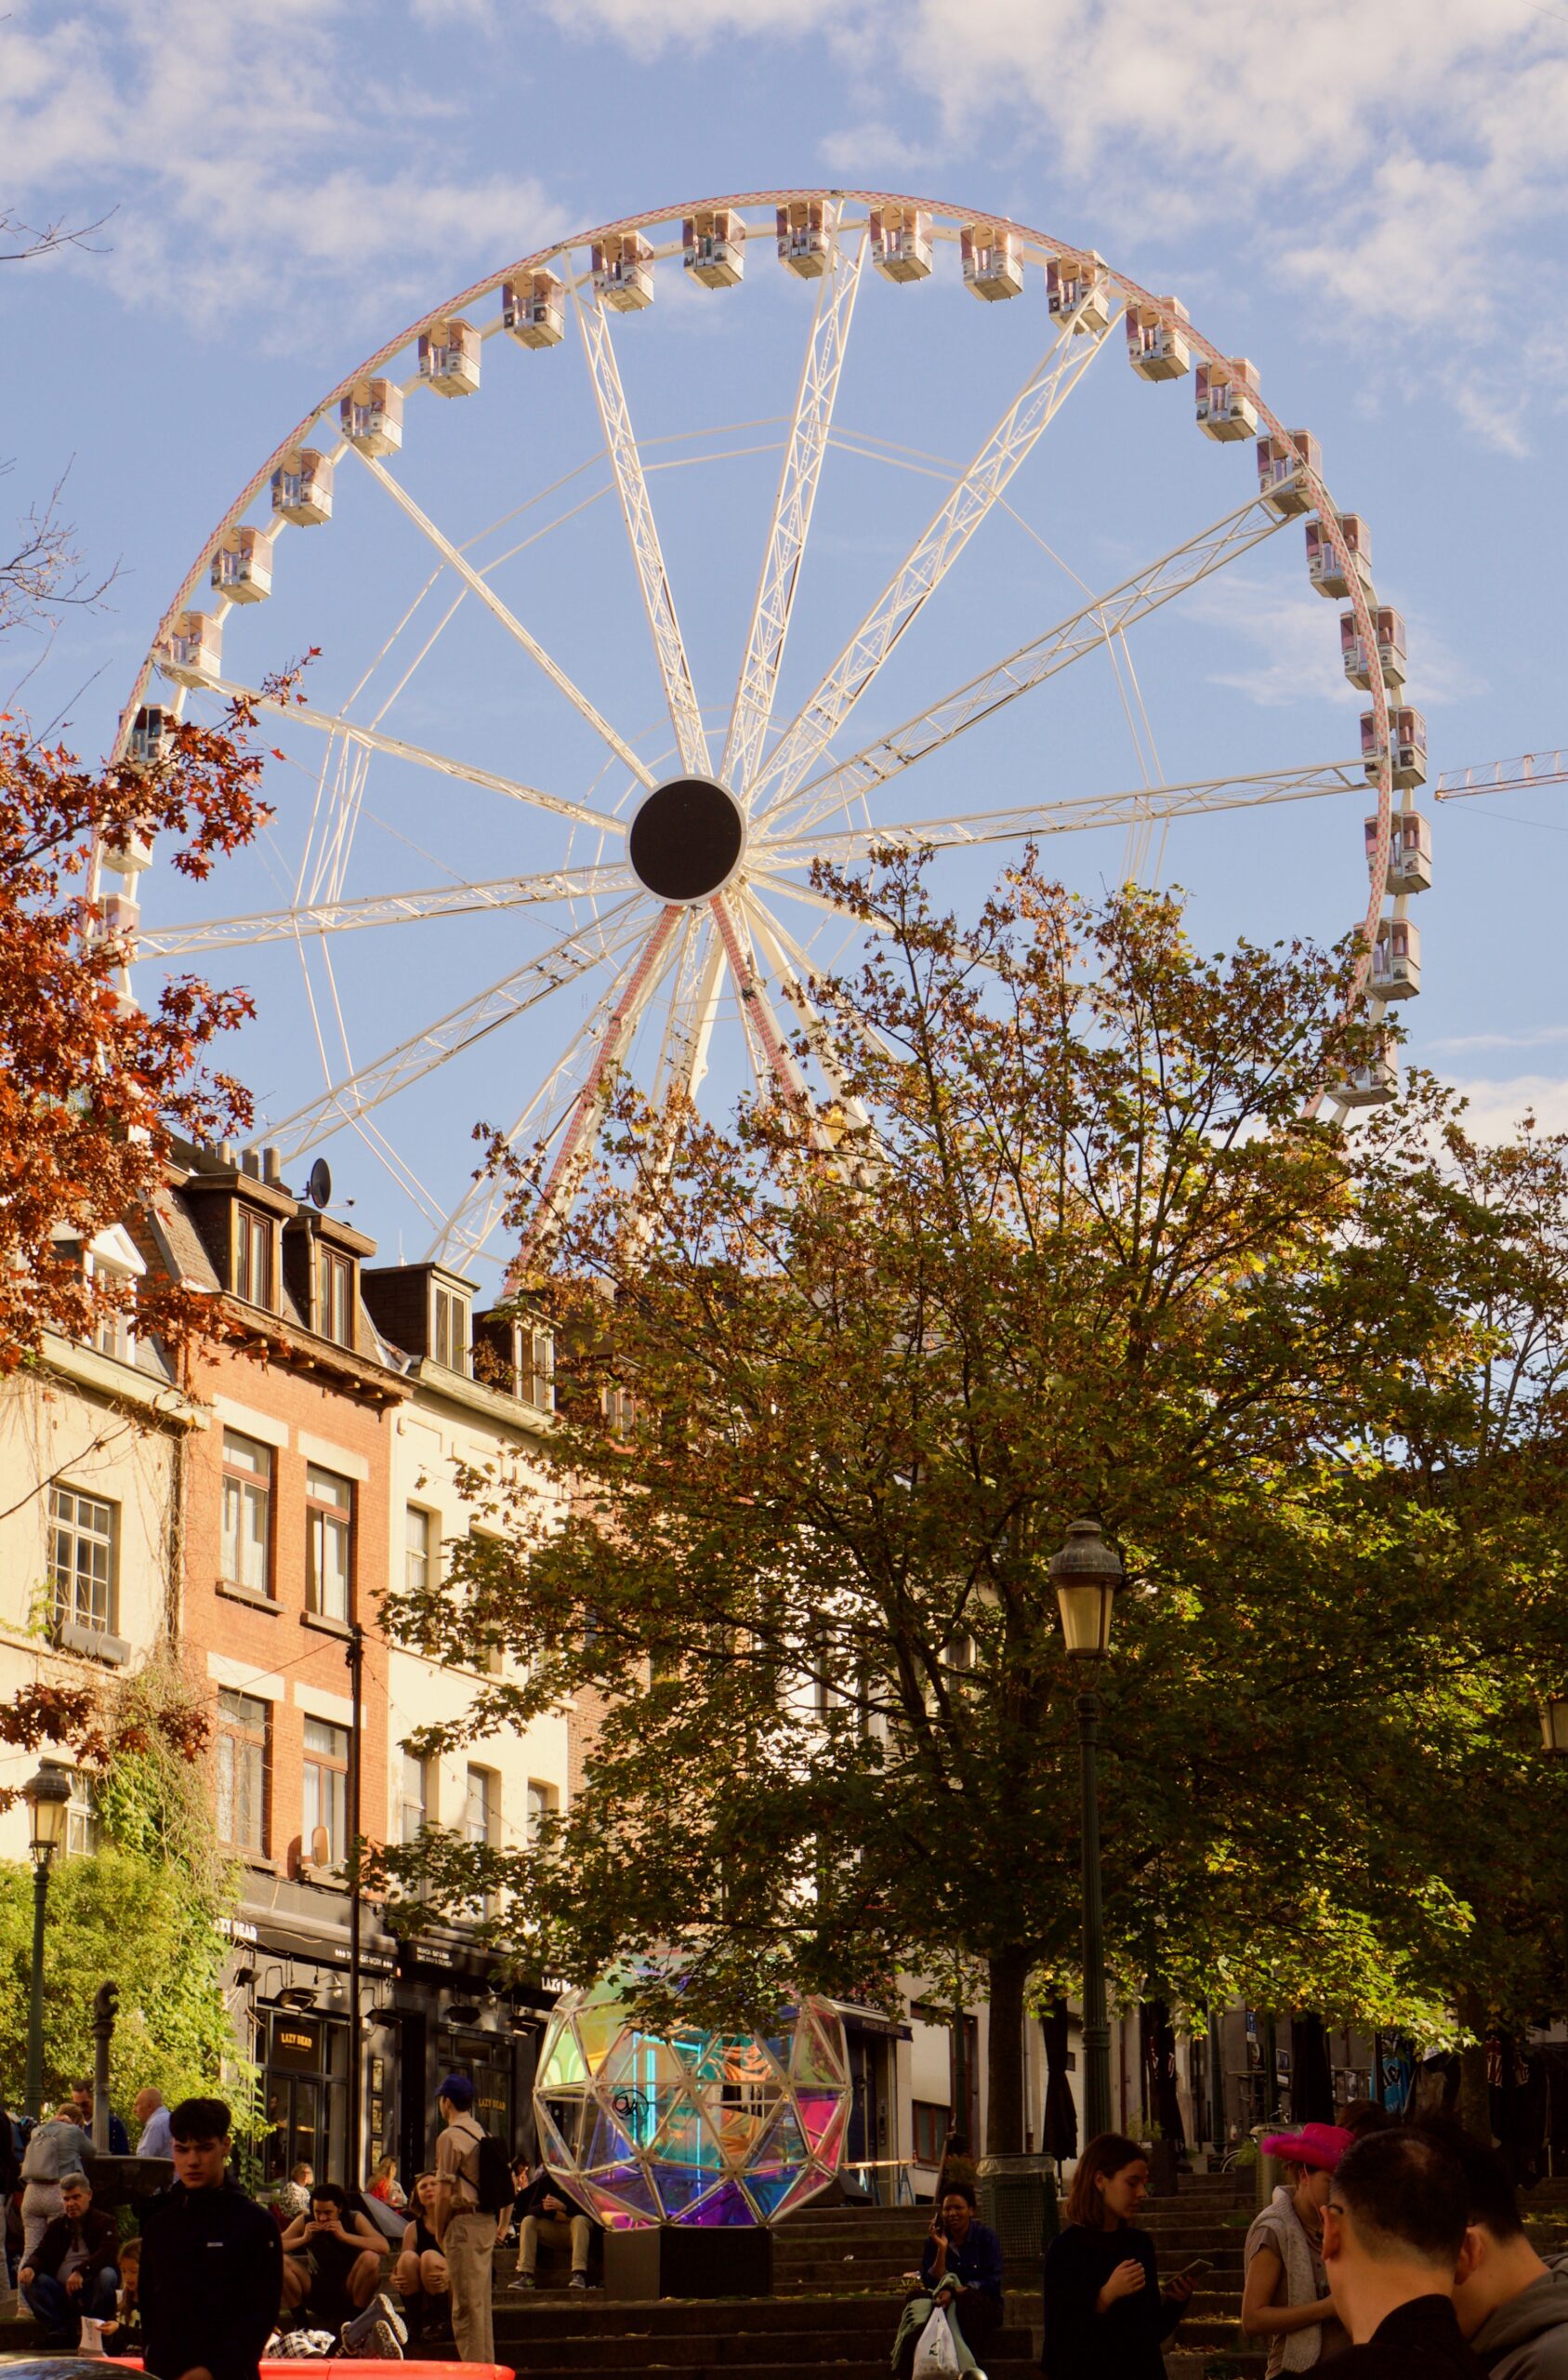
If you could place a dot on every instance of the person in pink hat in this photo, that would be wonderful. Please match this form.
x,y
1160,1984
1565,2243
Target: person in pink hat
x,y
1286,2300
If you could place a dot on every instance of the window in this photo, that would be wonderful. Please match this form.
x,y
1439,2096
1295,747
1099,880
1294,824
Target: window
x,y
329,1517
542,1801
417,1534
327,1790
81,1816
337,1297
247,1512
253,1256
417,1813
84,1531
243,1765
619,1411
538,1376
929,2128
482,1819
449,1337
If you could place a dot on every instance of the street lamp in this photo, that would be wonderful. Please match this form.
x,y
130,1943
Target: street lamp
x,y
1554,1722
1085,1574
47,1796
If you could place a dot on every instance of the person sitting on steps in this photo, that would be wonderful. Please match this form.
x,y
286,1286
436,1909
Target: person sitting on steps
x,y
546,2210
420,2274
332,2275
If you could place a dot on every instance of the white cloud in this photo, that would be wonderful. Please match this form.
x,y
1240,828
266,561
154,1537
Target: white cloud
x,y
1538,1037
243,152
1497,1109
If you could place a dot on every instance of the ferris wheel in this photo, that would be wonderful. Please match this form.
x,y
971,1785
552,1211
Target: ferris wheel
x,y
536,830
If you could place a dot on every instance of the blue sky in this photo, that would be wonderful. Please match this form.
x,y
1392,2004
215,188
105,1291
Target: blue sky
x,y
1365,197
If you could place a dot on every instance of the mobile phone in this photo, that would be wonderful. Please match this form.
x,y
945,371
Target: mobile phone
x,y
1199,2264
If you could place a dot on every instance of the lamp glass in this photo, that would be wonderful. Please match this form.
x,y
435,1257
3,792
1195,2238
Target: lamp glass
x,y
48,1799
1554,1722
1085,1605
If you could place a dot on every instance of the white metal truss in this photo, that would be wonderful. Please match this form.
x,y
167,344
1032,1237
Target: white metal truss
x,y
575,1146
766,932
756,1008
631,479
1075,815
384,910
792,514
327,723
1082,631
480,586
694,1007
385,1077
812,731
1532,768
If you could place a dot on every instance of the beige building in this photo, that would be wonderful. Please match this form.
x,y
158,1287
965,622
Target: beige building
x,y
93,1443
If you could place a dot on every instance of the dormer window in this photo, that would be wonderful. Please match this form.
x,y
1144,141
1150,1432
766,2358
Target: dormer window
x,y
449,1328
537,1372
253,1257
337,1297
112,1266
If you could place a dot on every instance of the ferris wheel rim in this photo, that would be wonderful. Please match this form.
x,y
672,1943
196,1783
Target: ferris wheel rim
x,y
1035,245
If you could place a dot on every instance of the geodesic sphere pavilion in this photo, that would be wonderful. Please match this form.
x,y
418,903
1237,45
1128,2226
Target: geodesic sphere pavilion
x,y
692,2126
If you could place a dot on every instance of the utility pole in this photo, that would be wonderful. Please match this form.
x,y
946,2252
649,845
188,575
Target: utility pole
x,y
356,2048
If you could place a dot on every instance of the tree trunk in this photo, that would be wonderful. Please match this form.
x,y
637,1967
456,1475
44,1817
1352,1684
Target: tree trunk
x,y
1004,2061
1475,2099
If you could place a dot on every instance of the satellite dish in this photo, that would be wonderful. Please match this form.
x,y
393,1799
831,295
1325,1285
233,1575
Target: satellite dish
x,y
319,1187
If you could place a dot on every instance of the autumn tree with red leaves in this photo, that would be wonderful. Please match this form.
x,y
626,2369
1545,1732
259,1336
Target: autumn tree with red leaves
x,y
93,1086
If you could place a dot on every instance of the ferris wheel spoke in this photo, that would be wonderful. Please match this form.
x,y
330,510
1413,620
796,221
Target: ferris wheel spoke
x,y
1078,814
756,1008
384,910
774,945
479,585
631,482
813,729
791,522
582,1124
385,1077
694,1007
1100,621
375,740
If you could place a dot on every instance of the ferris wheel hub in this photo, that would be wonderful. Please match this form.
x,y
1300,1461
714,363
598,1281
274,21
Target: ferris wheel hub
x,y
687,840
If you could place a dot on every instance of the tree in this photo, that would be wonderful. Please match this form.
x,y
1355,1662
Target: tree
x,y
1064,1245
91,1085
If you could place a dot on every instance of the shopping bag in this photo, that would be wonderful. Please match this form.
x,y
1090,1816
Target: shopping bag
x,y
935,2358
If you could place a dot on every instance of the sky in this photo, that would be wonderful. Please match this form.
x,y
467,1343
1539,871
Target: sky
x,y
1365,197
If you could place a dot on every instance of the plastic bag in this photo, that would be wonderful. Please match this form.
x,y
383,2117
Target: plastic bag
x,y
935,2358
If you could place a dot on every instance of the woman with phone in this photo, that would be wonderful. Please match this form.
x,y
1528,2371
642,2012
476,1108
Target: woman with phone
x,y
1106,2315
1286,2298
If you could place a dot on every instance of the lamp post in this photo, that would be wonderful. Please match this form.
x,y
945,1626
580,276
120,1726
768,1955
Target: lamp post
x,y
1085,1574
47,1796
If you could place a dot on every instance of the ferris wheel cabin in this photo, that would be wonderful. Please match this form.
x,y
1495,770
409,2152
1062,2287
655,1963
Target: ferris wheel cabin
x,y
1280,461
713,242
1396,961
1407,731
623,271
1077,290
1410,852
192,651
1325,569
1375,1083
151,738
533,311
804,240
1155,348
991,265
371,416
1225,393
1390,628
242,568
302,488
449,358
901,243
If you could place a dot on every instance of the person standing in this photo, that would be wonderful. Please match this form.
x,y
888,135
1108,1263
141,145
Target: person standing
x,y
1286,2300
1394,2231
153,2117
82,2100
54,2150
465,2232
212,2263
1105,2310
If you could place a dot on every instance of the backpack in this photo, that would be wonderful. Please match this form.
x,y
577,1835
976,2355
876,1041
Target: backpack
x,y
493,2185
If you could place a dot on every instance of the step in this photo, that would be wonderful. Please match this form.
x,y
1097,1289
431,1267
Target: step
x,y
739,2350
573,2314
871,2367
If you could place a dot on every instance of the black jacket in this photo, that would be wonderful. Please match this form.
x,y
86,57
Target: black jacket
x,y
1418,2341
1122,2343
211,2277
99,2238
530,2199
